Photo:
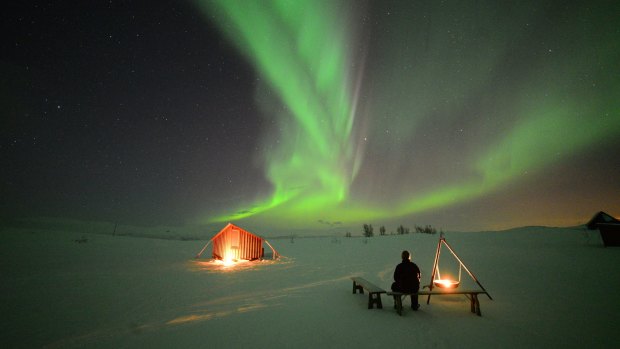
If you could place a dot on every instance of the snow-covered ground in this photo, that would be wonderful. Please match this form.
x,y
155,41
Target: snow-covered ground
x,y
551,287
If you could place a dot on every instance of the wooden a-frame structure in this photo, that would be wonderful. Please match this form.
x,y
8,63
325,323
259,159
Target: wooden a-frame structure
x,y
442,241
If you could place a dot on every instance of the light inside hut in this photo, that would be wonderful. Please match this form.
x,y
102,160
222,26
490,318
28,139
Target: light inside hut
x,y
229,258
227,262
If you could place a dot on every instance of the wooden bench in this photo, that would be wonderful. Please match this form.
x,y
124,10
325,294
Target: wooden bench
x,y
374,291
472,295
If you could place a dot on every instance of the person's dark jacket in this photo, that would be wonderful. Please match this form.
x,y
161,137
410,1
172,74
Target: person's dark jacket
x,y
406,277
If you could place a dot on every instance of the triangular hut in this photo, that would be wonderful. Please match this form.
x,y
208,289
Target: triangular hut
x,y
600,217
234,243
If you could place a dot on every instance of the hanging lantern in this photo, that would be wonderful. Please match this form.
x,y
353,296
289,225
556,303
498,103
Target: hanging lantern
x,y
445,282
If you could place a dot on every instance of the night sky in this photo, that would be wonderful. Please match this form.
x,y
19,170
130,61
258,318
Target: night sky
x,y
322,115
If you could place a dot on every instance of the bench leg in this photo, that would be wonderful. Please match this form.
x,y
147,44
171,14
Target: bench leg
x,y
357,287
477,304
474,304
398,304
374,300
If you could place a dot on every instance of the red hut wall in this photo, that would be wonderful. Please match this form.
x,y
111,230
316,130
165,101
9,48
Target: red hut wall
x,y
235,243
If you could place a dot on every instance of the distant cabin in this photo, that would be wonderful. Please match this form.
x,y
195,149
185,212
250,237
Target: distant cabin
x,y
235,243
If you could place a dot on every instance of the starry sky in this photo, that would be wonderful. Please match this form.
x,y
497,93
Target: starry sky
x,y
316,115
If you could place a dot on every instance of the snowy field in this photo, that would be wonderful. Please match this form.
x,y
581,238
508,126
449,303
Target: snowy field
x,y
551,287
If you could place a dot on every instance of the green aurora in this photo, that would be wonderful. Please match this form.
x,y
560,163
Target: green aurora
x,y
336,92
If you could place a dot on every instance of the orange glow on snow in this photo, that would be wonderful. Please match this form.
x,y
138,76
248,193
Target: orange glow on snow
x,y
229,262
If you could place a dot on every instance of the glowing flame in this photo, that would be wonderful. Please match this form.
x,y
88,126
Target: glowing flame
x,y
228,262
446,283
229,259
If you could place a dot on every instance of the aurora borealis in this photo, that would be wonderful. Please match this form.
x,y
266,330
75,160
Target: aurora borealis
x,y
313,114
304,63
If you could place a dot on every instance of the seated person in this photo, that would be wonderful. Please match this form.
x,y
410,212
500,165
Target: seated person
x,y
407,279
